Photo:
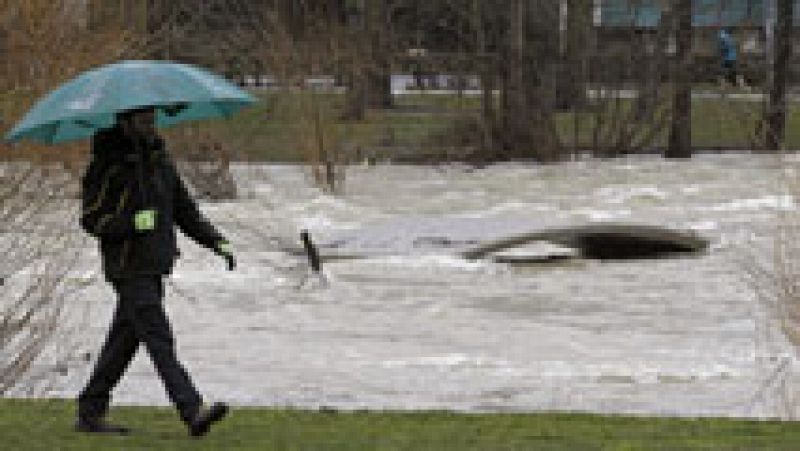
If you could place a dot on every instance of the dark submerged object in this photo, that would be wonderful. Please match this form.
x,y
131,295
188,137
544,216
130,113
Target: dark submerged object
x,y
605,241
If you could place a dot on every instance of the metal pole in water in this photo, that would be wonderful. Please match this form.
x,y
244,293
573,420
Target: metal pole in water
x,y
314,261
311,251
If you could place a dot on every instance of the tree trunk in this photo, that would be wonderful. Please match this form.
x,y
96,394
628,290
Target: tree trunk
x,y
527,67
571,90
776,109
355,101
514,109
354,73
379,73
487,80
680,138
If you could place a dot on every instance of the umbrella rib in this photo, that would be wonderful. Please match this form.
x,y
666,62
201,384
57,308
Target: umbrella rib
x,y
52,138
219,107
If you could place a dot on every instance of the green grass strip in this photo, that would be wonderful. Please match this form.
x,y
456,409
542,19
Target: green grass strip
x,y
47,425
280,127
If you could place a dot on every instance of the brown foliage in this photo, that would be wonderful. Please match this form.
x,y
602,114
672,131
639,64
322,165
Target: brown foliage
x,y
45,43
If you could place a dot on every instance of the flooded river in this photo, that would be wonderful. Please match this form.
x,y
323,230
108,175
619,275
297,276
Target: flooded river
x,y
416,327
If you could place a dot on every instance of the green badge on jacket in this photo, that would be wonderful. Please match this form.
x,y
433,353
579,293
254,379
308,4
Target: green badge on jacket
x,y
145,220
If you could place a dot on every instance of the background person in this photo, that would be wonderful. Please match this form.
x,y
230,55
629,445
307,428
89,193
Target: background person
x,y
729,54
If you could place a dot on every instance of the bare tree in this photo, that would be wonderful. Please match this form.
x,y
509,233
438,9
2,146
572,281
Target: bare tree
x,y
379,72
776,109
680,139
574,48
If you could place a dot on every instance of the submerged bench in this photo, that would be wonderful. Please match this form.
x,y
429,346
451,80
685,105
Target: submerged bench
x,y
598,241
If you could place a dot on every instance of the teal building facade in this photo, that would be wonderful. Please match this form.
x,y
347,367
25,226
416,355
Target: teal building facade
x,y
705,13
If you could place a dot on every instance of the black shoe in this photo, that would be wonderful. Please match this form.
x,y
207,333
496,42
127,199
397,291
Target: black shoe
x,y
202,422
99,426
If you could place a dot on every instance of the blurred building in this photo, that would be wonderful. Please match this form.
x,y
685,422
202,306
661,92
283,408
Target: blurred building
x,y
705,13
622,25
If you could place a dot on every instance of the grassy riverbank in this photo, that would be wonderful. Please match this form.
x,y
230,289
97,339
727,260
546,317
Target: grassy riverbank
x,y
283,126
47,425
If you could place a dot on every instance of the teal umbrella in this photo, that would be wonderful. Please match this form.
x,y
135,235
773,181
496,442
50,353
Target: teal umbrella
x,y
88,103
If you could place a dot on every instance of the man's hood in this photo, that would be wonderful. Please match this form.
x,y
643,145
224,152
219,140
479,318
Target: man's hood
x,y
113,144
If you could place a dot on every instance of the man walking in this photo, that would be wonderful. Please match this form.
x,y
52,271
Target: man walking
x,y
132,199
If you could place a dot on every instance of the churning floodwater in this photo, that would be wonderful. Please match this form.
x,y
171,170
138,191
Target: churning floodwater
x,y
417,327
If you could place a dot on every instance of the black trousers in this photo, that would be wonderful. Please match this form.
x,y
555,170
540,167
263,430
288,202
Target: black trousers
x,y
139,319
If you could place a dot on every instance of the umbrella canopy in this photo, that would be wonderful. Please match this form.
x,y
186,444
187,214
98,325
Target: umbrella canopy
x,y
88,103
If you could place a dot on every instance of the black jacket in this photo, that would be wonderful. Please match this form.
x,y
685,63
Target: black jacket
x,y
123,178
